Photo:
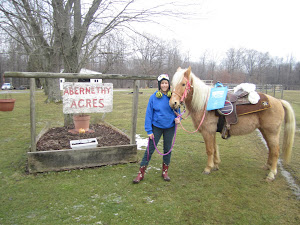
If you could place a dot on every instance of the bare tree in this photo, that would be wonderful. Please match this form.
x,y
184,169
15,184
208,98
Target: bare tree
x,y
64,28
70,30
174,57
250,61
148,52
29,24
262,66
233,62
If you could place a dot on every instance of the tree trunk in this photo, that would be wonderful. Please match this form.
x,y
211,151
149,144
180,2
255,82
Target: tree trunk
x,y
54,91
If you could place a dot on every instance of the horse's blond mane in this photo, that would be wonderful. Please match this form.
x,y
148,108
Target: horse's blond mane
x,y
200,90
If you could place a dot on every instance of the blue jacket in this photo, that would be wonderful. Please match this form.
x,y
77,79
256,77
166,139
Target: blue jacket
x,y
159,113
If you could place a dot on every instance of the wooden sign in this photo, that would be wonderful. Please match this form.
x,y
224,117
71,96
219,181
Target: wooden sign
x,y
82,97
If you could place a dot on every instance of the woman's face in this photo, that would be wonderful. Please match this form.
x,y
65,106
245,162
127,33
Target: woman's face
x,y
164,85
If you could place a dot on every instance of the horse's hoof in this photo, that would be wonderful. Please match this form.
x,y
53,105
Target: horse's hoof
x,y
206,172
216,168
270,177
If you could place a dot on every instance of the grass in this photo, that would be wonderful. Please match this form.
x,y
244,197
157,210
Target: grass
x,y
236,194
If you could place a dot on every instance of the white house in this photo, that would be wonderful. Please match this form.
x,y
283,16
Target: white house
x,y
84,71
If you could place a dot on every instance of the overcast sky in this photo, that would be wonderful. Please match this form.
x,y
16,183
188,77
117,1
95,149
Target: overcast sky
x,y
264,25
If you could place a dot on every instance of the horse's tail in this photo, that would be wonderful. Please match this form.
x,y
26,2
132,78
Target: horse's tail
x,y
289,131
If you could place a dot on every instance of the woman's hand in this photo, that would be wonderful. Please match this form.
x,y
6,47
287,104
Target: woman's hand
x,y
151,136
177,120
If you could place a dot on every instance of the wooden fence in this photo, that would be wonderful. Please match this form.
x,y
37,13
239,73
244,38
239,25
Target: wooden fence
x,y
266,88
34,75
270,89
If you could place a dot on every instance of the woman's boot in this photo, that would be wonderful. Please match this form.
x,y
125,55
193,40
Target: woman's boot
x,y
165,172
140,175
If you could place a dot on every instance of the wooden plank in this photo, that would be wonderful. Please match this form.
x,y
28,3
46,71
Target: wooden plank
x,y
59,160
78,75
32,115
135,102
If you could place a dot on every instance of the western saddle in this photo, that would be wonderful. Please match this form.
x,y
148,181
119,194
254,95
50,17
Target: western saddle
x,y
240,105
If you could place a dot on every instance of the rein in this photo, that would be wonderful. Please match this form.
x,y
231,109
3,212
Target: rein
x,y
182,97
191,132
156,147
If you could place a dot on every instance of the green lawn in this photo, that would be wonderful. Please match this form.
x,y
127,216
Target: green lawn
x,y
236,194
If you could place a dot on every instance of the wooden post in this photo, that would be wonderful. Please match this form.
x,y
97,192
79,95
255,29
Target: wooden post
x,y
282,88
274,90
33,75
135,102
32,115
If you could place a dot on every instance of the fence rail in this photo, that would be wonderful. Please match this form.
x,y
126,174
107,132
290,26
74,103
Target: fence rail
x,y
270,89
33,75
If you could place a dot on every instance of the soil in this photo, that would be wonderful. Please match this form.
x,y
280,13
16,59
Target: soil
x,y
58,138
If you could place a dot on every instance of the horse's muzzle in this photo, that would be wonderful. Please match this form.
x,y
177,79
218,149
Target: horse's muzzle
x,y
175,104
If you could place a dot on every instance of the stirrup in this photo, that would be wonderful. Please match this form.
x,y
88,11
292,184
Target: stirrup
x,y
225,132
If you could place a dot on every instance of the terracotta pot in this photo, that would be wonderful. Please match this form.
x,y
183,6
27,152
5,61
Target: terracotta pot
x,y
7,104
82,122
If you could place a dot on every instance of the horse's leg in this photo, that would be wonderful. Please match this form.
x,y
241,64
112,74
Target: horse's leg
x,y
217,159
272,140
210,140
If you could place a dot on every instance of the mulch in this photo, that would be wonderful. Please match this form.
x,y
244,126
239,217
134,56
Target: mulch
x,y
59,138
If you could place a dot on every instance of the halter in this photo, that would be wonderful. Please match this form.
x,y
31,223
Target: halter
x,y
186,90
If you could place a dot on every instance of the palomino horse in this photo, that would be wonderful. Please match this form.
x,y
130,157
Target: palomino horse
x,y
189,89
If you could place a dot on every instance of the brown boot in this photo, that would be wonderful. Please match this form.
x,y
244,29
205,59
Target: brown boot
x,y
140,175
165,172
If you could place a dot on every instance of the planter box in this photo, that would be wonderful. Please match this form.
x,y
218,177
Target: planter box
x,y
66,159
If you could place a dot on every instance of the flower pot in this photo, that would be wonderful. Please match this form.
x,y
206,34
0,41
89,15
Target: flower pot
x,y
82,122
7,104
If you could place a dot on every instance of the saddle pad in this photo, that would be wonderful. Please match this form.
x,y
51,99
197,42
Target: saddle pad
x,y
262,104
227,109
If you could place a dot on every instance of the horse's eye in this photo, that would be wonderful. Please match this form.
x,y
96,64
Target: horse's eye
x,y
183,85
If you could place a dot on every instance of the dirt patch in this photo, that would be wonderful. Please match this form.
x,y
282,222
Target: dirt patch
x,y
58,138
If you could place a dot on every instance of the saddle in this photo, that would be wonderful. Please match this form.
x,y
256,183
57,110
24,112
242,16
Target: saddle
x,y
237,104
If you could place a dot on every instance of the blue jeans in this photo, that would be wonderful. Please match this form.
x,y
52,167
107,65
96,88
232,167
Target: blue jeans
x,y
168,135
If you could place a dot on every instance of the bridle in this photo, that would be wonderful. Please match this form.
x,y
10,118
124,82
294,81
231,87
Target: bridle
x,y
187,89
182,97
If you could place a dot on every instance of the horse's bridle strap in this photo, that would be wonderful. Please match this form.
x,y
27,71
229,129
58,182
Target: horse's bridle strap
x,y
186,91
174,92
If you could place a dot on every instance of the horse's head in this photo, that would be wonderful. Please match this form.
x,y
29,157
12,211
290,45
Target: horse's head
x,y
181,87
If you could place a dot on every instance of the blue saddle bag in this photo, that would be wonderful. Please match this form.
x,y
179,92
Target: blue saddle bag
x,y
217,97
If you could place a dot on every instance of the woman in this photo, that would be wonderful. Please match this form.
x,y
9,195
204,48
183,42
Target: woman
x,y
160,120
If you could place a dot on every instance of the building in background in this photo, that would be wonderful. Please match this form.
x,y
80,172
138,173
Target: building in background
x,y
82,71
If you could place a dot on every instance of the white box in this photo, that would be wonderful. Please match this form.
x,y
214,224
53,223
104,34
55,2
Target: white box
x,y
84,143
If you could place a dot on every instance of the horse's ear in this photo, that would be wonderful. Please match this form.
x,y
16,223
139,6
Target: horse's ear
x,y
188,72
179,68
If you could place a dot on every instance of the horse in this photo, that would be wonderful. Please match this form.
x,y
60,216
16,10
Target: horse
x,y
189,90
